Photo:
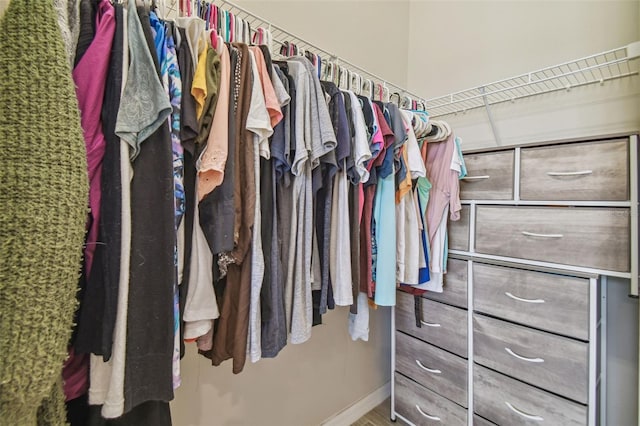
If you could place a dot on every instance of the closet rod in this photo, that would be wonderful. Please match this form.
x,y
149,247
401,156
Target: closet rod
x,y
598,68
281,35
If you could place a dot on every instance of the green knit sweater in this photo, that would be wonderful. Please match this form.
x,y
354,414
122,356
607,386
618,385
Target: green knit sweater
x,y
43,206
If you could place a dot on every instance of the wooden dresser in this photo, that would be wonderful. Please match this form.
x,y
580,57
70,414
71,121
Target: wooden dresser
x,y
515,337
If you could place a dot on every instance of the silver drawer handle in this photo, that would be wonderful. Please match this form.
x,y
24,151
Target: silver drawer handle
x,y
580,173
533,234
512,353
523,300
430,370
483,177
429,324
523,414
434,418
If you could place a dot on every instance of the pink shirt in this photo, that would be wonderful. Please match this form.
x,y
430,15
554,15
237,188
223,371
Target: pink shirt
x,y
445,190
270,98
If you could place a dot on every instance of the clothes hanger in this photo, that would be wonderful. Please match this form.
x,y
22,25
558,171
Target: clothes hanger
x,y
269,38
214,38
348,83
382,87
356,83
319,66
367,85
325,71
391,97
327,75
386,93
406,102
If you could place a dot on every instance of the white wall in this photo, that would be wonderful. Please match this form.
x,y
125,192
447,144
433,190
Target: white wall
x,y
456,45
304,385
372,34
459,44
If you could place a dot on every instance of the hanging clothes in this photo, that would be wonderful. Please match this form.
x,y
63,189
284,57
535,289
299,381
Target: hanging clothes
x,y
444,201
143,123
89,75
106,373
243,198
274,323
230,336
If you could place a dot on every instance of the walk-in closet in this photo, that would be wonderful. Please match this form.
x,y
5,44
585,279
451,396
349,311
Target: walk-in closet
x,y
306,212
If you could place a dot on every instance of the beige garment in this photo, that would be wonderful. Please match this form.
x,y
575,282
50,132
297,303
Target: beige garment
x,y
201,306
340,241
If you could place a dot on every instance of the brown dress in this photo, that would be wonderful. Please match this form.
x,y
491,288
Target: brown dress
x,y
231,328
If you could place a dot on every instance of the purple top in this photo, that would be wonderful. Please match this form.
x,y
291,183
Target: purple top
x,y
90,76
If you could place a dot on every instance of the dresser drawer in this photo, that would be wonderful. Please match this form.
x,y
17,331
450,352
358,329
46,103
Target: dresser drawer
x,y
580,236
459,231
438,370
481,421
579,171
508,402
557,364
455,285
489,176
442,325
551,302
424,407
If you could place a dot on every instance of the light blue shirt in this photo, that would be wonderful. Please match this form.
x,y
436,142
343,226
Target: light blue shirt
x,y
384,215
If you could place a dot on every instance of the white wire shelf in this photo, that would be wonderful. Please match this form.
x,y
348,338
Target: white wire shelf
x,y
598,68
280,36
594,69
382,87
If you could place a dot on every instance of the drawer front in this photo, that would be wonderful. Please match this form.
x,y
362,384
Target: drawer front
x,y
506,401
459,231
489,176
455,285
581,236
580,171
557,364
442,325
555,303
435,369
481,421
424,407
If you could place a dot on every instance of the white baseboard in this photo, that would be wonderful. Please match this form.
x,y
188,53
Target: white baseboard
x,y
350,414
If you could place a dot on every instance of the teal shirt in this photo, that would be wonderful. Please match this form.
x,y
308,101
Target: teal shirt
x,y
384,215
